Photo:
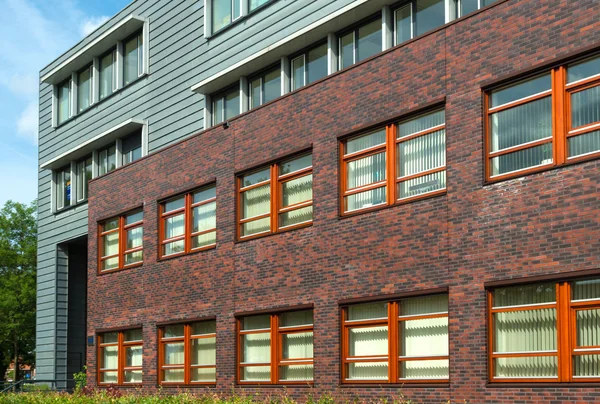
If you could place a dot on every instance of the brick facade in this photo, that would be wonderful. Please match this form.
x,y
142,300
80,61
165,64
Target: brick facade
x,y
545,223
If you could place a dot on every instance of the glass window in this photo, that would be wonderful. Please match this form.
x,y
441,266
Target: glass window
x,y
404,24
421,326
265,87
107,160
187,353
131,148
108,74
254,4
133,59
292,179
309,67
226,105
224,12
84,175
120,357
114,254
64,101
362,43
429,15
290,335
63,187
84,88
200,207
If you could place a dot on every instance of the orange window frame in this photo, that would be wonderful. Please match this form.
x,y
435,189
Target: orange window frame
x,y
277,360
392,179
275,183
122,229
187,366
121,345
566,330
562,129
393,358
188,234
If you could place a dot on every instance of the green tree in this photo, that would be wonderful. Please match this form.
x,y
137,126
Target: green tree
x,y
18,263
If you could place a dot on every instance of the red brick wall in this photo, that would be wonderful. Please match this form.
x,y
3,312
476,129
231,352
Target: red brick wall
x,y
540,224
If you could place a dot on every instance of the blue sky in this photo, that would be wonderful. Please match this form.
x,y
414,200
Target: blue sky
x,y
32,34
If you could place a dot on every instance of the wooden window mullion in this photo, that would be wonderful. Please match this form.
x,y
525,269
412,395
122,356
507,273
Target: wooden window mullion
x,y
393,342
122,242
187,353
559,115
390,161
274,348
120,359
274,214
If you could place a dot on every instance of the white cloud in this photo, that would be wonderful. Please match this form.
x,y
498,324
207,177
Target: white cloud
x,y
91,24
27,124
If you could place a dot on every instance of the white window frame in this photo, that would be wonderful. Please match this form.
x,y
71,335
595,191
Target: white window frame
x,y
304,71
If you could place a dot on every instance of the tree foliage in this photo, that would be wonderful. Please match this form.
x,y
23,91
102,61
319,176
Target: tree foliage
x,y
18,262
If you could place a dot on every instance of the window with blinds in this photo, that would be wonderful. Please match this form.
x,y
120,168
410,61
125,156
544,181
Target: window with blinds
x,y
120,357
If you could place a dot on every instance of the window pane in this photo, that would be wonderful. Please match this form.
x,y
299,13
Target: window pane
x,y
232,104
174,247
204,240
296,216
204,351
173,331
368,341
221,14
173,375
256,226
110,263
586,366
204,375
468,6
83,89
404,24
111,244
369,40
66,186
296,318
133,356
134,218
272,85
588,327
367,311
108,377
204,327
294,373
174,226
424,305
588,289
422,185
522,124
583,144
255,373
174,204
110,338
255,90
365,141
135,238
421,123
298,72
64,91
297,190
132,335
256,177
174,353
430,14
317,63
107,160
218,110
106,75
110,357
540,366
256,322
368,371
523,159
583,70
257,3
132,148
585,107
422,153
81,181
134,376
130,61
110,225
525,331
256,348
365,199
435,369
204,217
297,345
365,171
520,90
295,165
428,337
256,201
205,194
347,50
524,295
134,257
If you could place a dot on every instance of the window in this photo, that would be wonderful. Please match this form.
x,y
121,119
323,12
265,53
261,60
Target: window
x,y
361,43
107,160
120,357
226,105
85,88
468,6
288,336
398,163
131,148
121,242
265,87
189,222
545,121
224,12
64,101
188,353
108,74
545,332
309,67
275,198
63,187
418,331
133,58
84,174
254,4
